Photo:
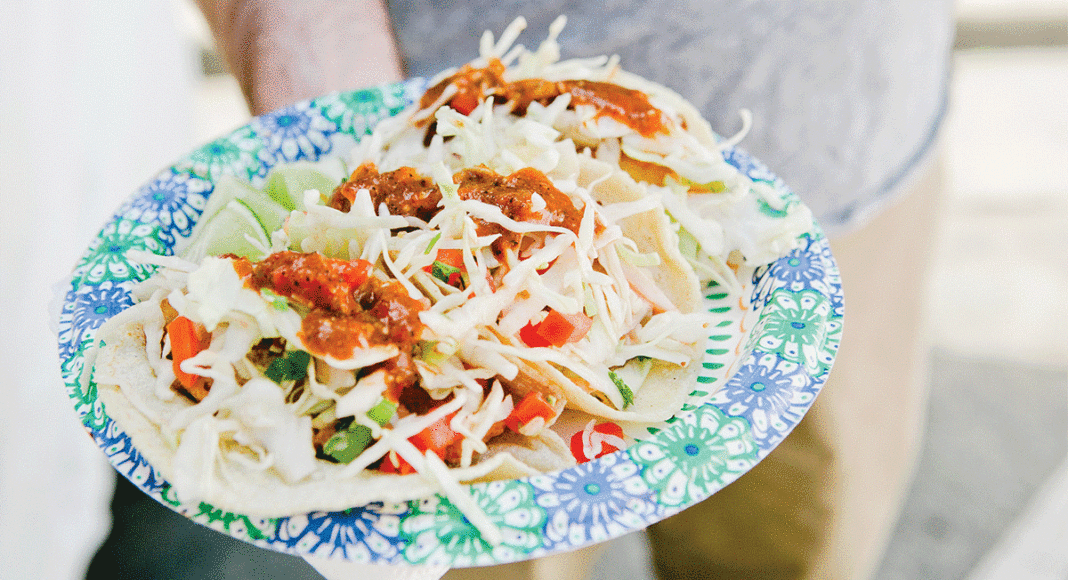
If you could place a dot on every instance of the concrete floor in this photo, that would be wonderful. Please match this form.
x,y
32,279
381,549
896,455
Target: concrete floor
x,y
995,434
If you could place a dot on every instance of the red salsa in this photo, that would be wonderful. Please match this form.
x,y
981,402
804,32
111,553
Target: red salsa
x,y
628,106
514,195
473,85
404,191
348,307
312,279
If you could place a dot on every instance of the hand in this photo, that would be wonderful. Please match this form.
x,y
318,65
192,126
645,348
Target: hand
x,y
283,51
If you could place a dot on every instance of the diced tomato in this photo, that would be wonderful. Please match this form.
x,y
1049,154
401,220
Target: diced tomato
x,y
453,257
578,451
448,267
531,407
556,329
437,437
580,324
464,102
187,340
529,335
447,262
393,463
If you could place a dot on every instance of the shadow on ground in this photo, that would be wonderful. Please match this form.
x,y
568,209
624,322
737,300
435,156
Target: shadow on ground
x,y
996,431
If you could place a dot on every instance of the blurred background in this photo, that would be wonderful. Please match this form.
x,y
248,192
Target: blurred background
x,y
96,96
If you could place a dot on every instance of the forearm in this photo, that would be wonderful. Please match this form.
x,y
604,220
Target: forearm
x,y
283,51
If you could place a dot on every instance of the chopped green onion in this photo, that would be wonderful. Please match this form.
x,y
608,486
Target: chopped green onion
x,y
628,395
634,372
433,242
427,351
448,274
279,303
292,366
346,445
382,412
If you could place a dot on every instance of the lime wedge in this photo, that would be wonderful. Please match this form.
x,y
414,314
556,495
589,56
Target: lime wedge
x,y
236,208
286,185
226,233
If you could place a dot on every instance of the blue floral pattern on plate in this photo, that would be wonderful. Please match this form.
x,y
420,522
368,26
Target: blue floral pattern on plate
x,y
299,132
361,534
594,501
86,308
771,393
173,201
750,166
127,459
717,436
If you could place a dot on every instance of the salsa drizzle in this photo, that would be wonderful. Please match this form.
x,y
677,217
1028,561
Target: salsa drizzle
x,y
473,85
405,192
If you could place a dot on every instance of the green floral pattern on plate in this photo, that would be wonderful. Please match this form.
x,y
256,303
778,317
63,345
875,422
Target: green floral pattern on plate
x,y
799,327
698,455
237,155
107,258
438,533
239,526
357,112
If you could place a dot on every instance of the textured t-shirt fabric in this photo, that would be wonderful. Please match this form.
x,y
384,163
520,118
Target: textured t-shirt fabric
x,y
847,95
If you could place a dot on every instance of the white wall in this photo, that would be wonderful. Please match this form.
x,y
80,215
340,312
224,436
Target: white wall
x,y
95,97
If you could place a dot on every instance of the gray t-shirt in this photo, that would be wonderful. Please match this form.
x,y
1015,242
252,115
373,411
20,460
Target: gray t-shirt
x,y
846,95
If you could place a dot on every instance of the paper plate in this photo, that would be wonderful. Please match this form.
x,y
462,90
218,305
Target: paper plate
x,y
763,368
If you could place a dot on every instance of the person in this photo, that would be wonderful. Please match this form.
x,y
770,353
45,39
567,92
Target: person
x,y
847,98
